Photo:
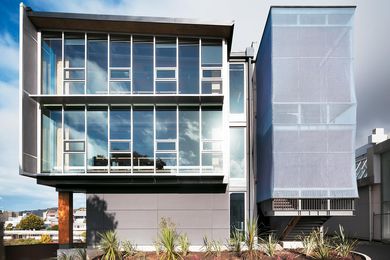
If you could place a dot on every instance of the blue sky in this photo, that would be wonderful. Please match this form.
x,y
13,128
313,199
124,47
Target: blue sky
x,y
372,60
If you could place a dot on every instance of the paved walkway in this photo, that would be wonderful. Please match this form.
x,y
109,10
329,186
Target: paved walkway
x,y
376,250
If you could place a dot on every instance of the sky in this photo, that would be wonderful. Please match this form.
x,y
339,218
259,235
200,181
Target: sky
x,y
371,67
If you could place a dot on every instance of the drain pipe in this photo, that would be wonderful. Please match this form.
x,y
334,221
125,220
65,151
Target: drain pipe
x,y
370,213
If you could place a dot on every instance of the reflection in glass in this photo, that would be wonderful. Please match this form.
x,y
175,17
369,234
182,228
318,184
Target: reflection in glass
x,y
237,152
143,144
165,52
142,65
236,88
51,139
189,139
211,130
120,52
74,130
74,50
51,63
211,122
166,87
237,212
166,136
120,123
211,53
97,134
188,66
97,64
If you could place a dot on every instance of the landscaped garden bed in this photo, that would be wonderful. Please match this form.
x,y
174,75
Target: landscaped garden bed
x,y
170,245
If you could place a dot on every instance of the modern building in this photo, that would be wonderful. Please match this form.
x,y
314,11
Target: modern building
x,y
372,218
157,118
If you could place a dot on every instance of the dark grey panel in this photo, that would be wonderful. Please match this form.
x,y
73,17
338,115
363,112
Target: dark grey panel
x,y
28,80
126,99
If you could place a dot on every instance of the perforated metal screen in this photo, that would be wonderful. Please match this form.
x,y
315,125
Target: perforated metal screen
x,y
313,104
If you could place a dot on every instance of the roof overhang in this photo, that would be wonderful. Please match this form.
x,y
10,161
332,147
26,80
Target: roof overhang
x,y
132,24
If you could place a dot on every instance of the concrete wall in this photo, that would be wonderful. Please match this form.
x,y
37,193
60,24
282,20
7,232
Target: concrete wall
x,y
136,217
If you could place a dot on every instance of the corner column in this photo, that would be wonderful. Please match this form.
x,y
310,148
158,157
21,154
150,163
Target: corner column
x,y
65,219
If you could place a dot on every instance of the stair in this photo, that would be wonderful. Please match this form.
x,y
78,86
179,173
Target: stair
x,y
303,226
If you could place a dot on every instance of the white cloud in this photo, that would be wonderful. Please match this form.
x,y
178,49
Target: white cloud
x,y
9,53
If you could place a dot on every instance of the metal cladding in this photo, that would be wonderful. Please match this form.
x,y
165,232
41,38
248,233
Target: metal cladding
x,y
306,104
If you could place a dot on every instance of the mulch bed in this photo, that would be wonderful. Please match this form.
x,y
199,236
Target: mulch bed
x,y
225,255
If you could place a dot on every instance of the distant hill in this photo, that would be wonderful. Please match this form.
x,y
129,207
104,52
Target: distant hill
x,y
38,212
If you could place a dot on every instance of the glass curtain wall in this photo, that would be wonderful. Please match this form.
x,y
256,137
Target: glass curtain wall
x,y
74,63
74,139
189,139
120,64
211,66
51,58
237,152
51,140
139,139
143,135
143,65
97,137
189,66
117,63
120,139
166,139
236,88
212,139
97,64
166,65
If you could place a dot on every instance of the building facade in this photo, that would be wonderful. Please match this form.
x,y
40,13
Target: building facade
x,y
157,118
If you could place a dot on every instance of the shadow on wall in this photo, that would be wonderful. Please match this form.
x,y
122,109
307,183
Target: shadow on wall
x,y
98,220
1,236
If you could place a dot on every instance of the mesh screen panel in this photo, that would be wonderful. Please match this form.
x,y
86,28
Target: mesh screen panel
x,y
313,104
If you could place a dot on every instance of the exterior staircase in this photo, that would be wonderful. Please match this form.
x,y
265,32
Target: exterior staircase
x,y
301,226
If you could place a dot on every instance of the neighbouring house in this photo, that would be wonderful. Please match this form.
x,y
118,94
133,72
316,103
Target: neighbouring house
x,y
158,118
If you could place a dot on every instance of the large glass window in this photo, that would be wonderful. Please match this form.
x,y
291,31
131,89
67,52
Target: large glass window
x,y
74,139
97,64
142,65
212,139
166,65
237,152
51,140
120,139
74,63
211,53
237,212
97,133
51,53
188,66
211,66
120,64
237,88
143,136
189,139
166,139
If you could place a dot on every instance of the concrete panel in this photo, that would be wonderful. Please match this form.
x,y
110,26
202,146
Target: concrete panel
x,y
188,218
221,201
136,219
195,236
185,201
221,218
138,236
131,201
221,234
